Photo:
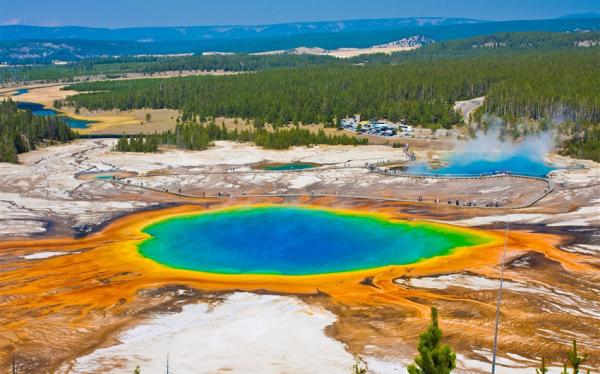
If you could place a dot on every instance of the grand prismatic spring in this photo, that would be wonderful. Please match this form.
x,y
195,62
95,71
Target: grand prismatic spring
x,y
295,241
266,196
355,256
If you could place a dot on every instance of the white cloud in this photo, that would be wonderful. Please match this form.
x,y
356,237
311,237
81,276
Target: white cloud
x,y
12,21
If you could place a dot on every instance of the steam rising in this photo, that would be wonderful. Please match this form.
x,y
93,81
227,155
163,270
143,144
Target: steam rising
x,y
490,146
490,153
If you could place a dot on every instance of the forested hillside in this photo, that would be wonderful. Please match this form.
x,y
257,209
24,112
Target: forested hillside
x,y
503,43
20,131
493,45
113,67
311,95
533,85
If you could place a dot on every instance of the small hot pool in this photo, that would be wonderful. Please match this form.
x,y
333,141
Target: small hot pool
x,y
105,175
296,241
39,110
20,91
288,166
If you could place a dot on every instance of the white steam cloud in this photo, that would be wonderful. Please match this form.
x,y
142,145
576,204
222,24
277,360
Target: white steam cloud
x,y
491,145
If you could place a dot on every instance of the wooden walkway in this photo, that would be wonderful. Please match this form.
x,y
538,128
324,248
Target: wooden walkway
x,y
544,193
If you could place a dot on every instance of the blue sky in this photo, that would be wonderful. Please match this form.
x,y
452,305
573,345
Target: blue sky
x,y
126,13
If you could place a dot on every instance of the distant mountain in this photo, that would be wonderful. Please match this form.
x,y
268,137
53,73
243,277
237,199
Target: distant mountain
x,y
159,34
354,34
581,15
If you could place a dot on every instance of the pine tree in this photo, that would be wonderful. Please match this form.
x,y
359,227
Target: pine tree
x,y
574,359
20,131
542,369
434,357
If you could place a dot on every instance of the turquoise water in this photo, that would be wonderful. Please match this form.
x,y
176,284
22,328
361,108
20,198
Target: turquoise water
x,y
104,177
460,165
294,241
290,166
77,123
20,91
36,109
39,110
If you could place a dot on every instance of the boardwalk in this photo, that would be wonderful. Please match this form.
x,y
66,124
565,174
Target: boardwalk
x,y
441,202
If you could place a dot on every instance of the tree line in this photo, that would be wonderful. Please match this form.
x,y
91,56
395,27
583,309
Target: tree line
x,y
21,131
585,143
533,85
200,136
288,96
111,67
505,43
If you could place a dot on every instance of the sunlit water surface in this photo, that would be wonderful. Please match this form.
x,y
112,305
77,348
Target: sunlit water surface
x,y
295,241
39,110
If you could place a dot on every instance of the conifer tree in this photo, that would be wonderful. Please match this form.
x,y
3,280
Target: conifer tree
x,y
434,357
542,369
574,359
21,131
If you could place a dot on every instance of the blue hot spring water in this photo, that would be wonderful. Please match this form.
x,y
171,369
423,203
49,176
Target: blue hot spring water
x,y
290,166
295,241
468,163
20,91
